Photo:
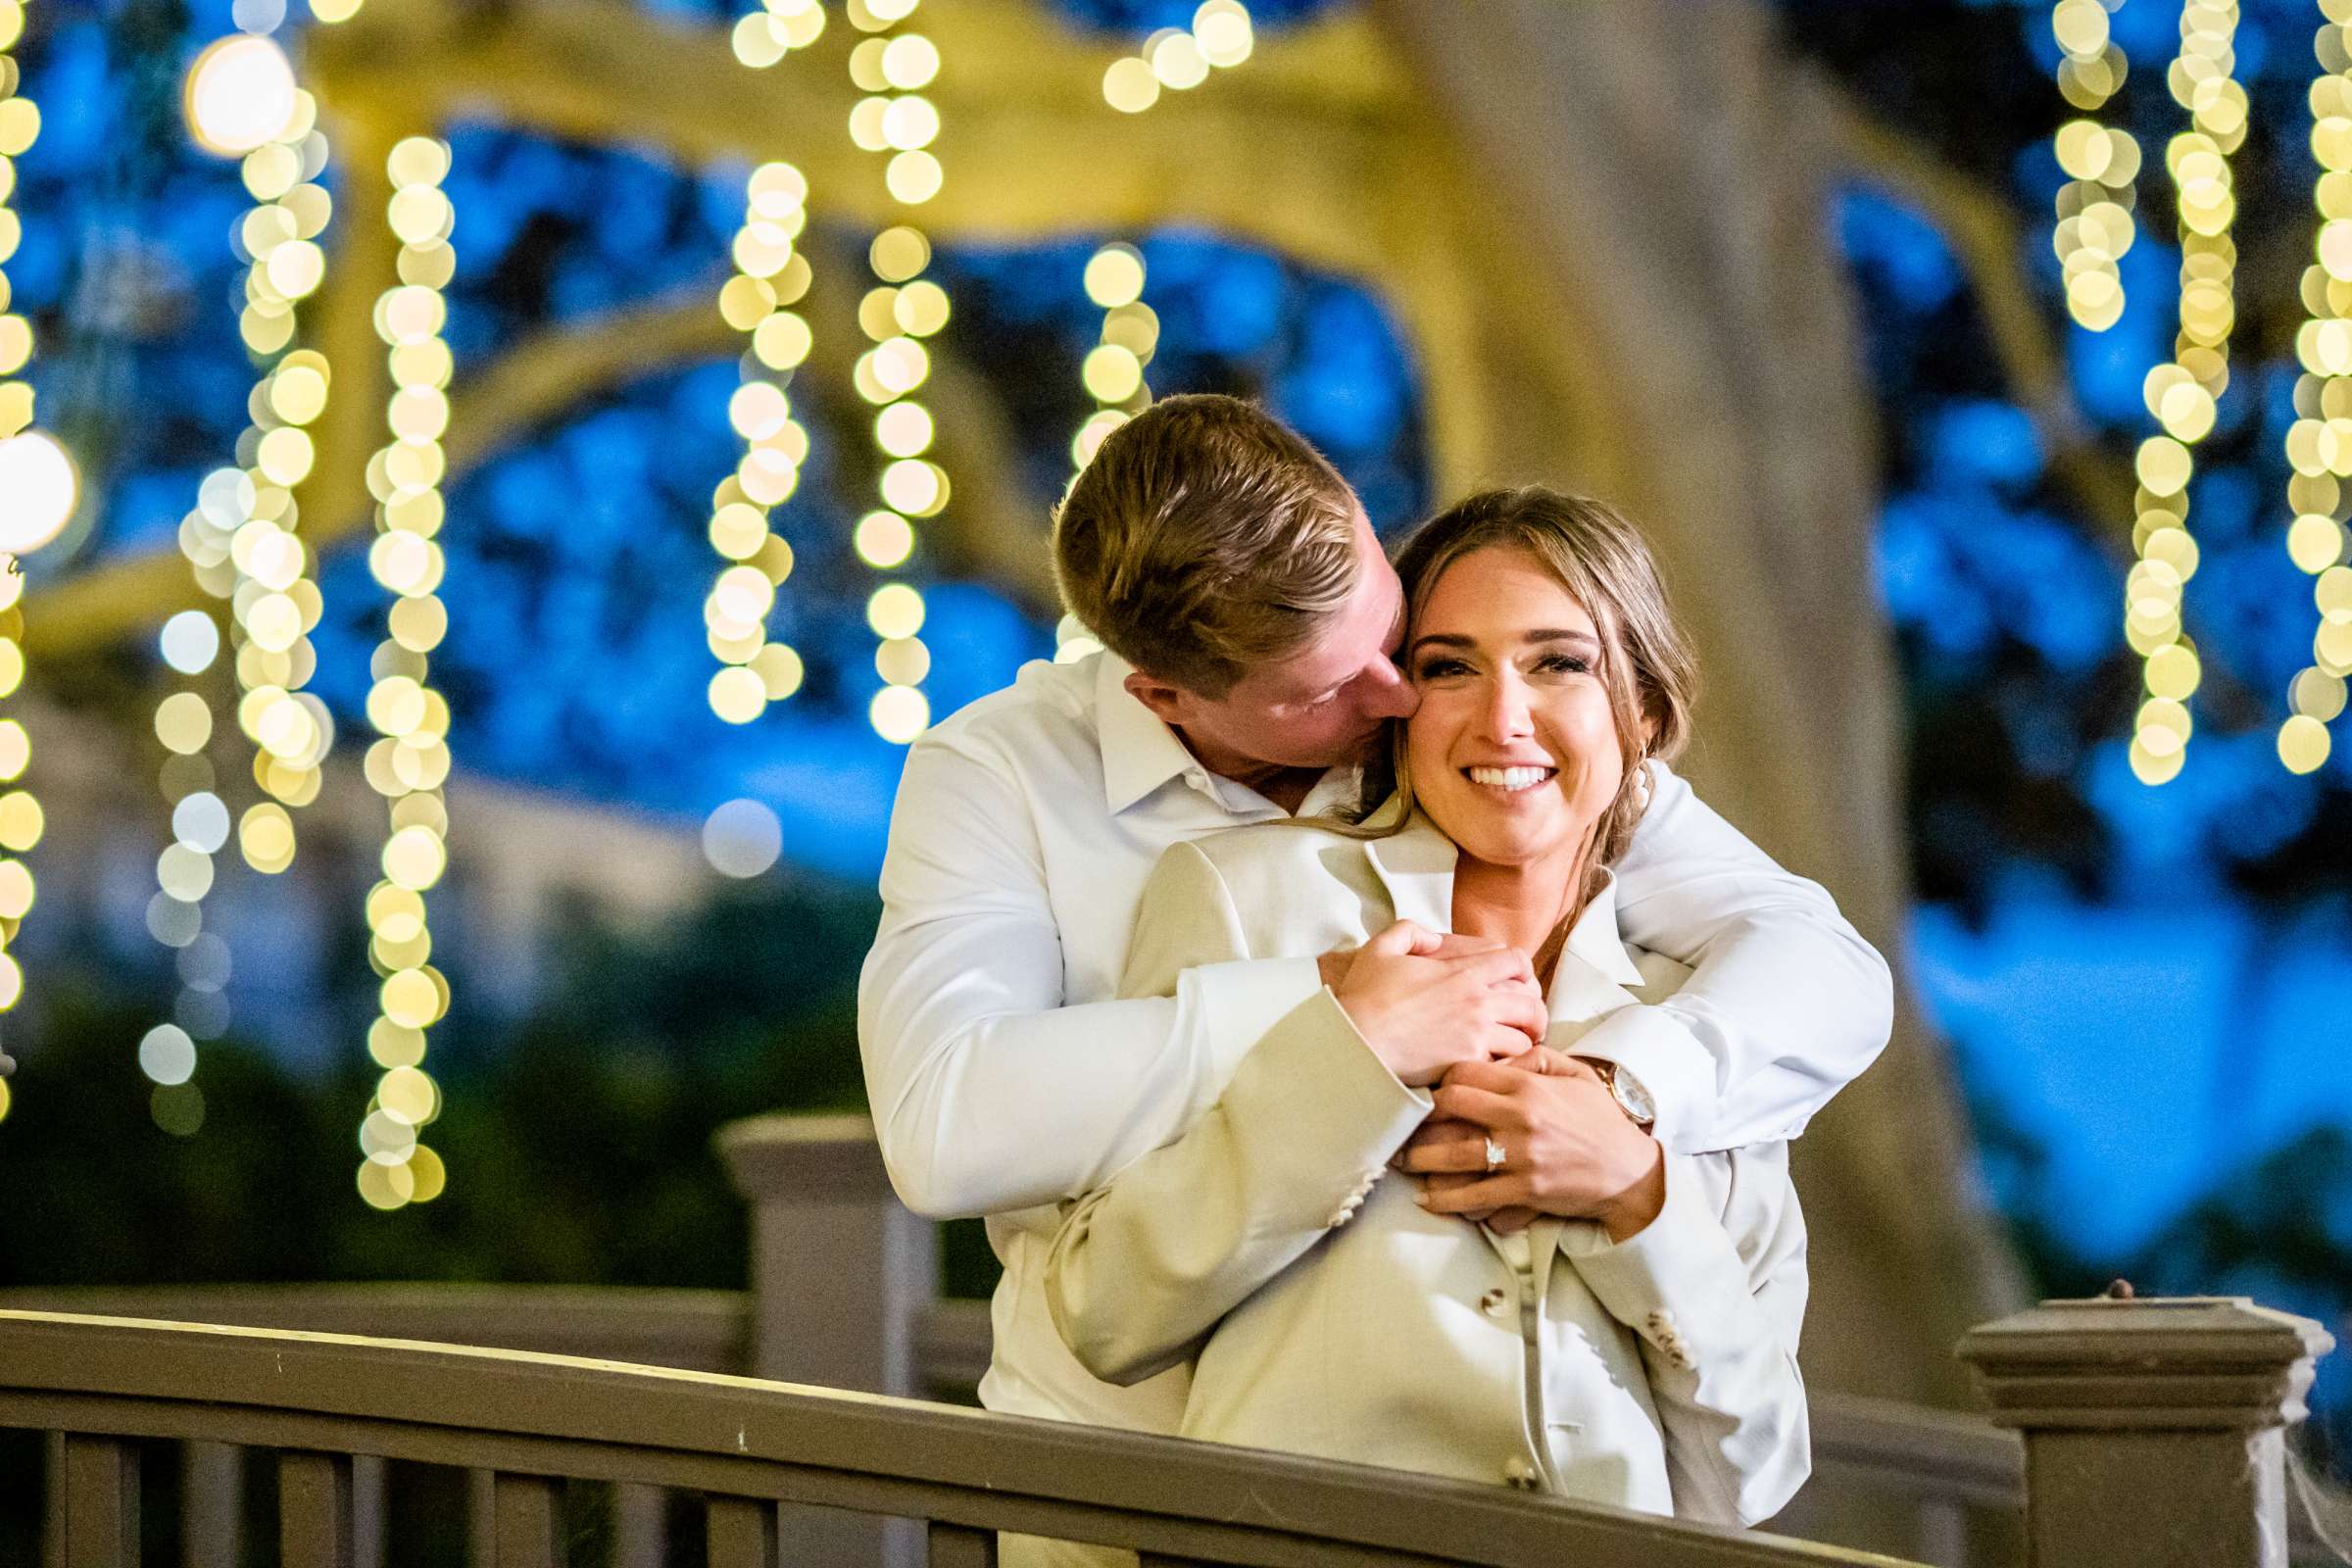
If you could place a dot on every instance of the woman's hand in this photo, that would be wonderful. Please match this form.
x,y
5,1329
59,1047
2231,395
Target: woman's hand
x,y
1568,1149
1426,1002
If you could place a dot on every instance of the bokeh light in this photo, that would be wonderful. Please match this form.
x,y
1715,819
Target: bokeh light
x,y
241,96
742,838
39,489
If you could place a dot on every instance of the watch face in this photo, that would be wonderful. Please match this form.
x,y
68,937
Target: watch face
x,y
1633,1097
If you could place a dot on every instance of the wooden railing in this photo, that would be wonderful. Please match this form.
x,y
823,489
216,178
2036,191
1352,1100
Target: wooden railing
x,y
844,1297
751,1450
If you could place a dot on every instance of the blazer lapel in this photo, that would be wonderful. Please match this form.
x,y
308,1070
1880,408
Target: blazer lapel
x,y
1416,866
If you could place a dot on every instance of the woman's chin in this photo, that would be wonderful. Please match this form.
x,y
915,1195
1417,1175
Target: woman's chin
x,y
1490,842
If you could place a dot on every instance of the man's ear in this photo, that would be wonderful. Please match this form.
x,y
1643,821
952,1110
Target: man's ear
x,y
1167,702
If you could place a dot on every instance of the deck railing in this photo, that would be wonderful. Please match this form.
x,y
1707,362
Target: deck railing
x,y
843,1295
745,1446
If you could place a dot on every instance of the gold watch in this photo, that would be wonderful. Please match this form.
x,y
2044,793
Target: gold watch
x,y
1626,1091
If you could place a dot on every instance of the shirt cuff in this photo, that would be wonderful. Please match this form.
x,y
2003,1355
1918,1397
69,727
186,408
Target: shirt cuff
x,y
1664,1056
1240,1000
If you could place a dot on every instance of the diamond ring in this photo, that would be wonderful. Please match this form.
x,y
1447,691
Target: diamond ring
x,y
1494,1154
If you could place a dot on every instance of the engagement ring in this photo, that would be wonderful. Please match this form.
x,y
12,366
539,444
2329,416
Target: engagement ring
x,y
1493,1155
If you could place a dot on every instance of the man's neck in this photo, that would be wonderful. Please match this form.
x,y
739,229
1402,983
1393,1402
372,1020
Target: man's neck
x,y
1287,787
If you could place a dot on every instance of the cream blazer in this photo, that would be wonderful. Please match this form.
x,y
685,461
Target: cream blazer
x,y
1323,1312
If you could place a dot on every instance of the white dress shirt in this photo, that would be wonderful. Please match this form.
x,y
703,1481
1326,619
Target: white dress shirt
x,y
1003,1076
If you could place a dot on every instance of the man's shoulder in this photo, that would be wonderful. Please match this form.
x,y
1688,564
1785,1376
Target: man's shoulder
x,y
1047,715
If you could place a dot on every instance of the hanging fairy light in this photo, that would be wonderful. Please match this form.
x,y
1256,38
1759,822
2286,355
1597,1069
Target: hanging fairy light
x,y
39,492
766,35
1180,59
2182,393
771,275
2319,444
410,761
906,307
2094,226
1114,375
242,101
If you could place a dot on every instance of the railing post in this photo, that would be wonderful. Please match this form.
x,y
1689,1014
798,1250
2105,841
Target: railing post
x,y
2155,1430
840,1269
101,1517
840,1272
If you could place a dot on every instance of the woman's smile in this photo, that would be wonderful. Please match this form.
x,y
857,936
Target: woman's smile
x,y
1511,779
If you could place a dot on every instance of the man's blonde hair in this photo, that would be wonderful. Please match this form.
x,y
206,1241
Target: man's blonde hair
x,y
1205,538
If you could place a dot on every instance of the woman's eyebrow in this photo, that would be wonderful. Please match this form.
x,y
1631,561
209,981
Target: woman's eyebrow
x,y
1543,635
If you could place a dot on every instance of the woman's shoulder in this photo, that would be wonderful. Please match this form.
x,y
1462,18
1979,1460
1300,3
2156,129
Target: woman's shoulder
x,y
1284,843
1263,860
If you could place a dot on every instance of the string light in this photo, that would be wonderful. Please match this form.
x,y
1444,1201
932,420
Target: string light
x,y
409,762
770,279
767,35
1113,375
2094,207
2182,393
242,101
39,492
898,316
2319,444
771,275
1178,59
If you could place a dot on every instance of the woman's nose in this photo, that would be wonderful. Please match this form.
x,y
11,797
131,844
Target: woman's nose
x,y
1508,715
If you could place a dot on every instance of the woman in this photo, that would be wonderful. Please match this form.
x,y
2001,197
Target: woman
x,y
1626,1338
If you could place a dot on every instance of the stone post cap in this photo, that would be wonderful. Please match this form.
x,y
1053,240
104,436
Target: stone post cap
x,y
819,1159
2190,1362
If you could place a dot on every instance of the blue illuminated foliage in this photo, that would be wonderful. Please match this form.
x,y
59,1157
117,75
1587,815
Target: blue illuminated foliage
x,y
2065,896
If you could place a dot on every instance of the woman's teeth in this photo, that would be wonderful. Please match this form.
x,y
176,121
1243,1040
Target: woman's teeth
x,y
1510,778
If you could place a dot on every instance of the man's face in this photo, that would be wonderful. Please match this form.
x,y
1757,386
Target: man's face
x,y
1323,705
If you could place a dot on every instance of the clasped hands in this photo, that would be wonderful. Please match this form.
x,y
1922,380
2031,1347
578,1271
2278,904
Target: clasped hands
x,y
1464,1016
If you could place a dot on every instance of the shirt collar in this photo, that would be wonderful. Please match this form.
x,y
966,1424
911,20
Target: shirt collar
x,y
1595,938
1140,752
1416,866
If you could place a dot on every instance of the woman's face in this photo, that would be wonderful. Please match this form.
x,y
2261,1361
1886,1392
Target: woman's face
x,y
1513,752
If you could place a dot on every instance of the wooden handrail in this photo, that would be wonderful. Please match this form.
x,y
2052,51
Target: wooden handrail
x,y
526,1415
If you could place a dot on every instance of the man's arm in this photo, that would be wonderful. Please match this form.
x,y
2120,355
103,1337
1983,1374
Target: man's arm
x,y
1787,1003
988,1094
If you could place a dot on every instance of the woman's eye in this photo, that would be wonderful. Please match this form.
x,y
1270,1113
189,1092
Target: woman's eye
x,y
1563,664
1441,668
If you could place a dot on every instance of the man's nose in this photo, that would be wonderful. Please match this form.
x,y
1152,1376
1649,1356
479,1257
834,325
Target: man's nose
x,y
1387,693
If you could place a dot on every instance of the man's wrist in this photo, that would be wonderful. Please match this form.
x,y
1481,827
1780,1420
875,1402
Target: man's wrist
x,y
1333,968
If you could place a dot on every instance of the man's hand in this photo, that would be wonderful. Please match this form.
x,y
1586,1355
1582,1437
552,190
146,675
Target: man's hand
x,y
1568,1149
1425,1001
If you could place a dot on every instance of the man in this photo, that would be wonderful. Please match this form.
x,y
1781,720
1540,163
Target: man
x,y
1250,617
